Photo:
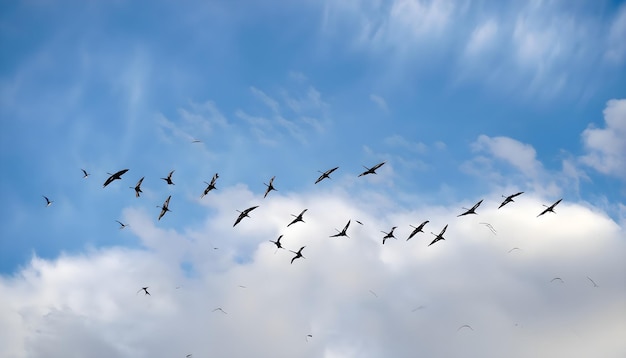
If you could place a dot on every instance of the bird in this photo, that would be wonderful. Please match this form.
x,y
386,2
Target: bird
x,y
308,336
472,210
145,290
169,178
113,177
243,214
513,249
137,187
122,225
210,186
389,235
557,278
508,199
440,236
325,174
219,309
358,222
465,326
165,208
297,218
550,208
371,170
594,284
85,174
269,186
417,229
48,201
298,254
490,227
277,243
196,141
373,293
342,232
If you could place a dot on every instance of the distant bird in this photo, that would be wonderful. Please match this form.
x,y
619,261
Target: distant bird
x,y
325,174
122,225
594,284
137,187
169,178
472,210
85,174
550,208
196,141
297,218
145,290
210,186
308,336
188,356
113,177
277,243
465,326
515,248
48,201
342,232
389,235
557,279
417,229
269,186
220,309
243,214
371,170
490,227
358,222
440,236
508,199
165,208
298,254
373,293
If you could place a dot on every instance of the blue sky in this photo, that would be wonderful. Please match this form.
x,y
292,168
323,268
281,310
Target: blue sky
x,y
463,100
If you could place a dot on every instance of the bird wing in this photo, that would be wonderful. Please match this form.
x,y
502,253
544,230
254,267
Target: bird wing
x,y
377,166
241,216
477,204
139,182
444,230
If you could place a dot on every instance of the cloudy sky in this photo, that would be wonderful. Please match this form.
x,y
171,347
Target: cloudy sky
x,y
462,100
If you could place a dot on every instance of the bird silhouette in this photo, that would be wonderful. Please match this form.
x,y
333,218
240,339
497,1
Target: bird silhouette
x,y
115,176
508,199
220,309
472,210
513,249
122,225
48,201
557,279
592,281
465,326
169,178
342,232
210,186
417,229
137,187
440,236
297,218
389,235
277,243
298,254
490,227
269,186
85,174
371,170
145,290
243,214
165,208
325,174
550,208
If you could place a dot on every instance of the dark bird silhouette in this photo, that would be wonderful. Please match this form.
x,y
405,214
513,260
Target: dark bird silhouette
x,y
85,174
472,210
417,229
465,326
389,235
137,187
169,178
113,177
371,170
297,218
210,186
557,279
165,208
122,225
508,199
243,214
325,174
440,236
490,227
550,208
298,254
145,290
269,186
277,243
594,284
358,222
342,232
220,309
48,201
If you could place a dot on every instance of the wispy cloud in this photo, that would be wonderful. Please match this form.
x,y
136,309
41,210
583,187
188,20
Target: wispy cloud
x,y
379,102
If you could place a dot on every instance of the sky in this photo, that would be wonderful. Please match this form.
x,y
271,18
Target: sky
x,y
462,100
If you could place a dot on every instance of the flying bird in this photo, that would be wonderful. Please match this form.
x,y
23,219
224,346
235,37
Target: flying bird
x,y
490,227
308,336
594,284
196,141
220,309
557,279
113,177
508,199
122,225
325,174
342,232
210,186
169,178
243,214
550,208
371,170
472,210
389,235
165,208
513,249
298,254
269,186
297,218
277,243
48,201
137,187
85,174
145,290
358,222
465,326
440,236
417,229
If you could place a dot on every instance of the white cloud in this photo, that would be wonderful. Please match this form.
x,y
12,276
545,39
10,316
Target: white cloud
x,y
521,156
616,46
379,101
606,147
482,38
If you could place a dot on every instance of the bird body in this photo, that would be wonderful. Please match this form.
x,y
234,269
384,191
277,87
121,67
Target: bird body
x,y
85,174
342,232
137,187
550,208
270,186
508,199
169,178
210,186
440,236
243,214
325,174
389,235
122,225
277,243
417,229
371,170
48,201
116,176
298,254
145,290
297,218
472,210
165,208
